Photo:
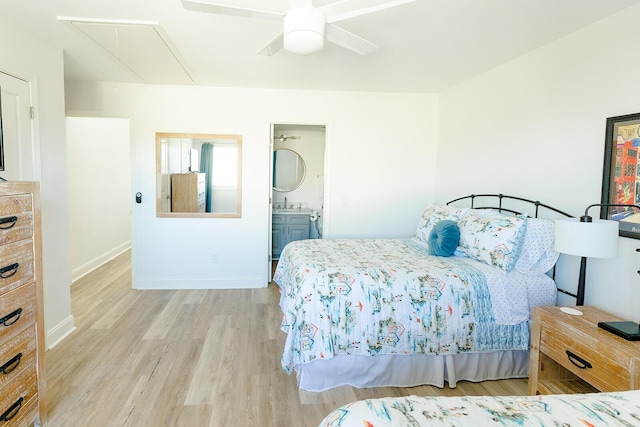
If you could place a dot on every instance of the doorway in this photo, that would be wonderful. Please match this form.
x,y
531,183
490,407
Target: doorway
x,y
99,174
298,176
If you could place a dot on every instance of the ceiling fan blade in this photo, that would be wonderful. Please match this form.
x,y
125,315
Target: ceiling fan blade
x,y
222,9
348,40
273,46
345,9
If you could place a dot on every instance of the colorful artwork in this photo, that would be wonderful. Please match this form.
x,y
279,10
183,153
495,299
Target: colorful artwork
x,y
621,177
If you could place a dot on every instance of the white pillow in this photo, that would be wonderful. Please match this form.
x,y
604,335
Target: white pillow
x,y
537,255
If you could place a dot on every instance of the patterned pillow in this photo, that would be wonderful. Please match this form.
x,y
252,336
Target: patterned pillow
x,y
432,215
495,240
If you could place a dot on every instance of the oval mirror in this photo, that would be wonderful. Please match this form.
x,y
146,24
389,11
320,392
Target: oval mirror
x,y
288,170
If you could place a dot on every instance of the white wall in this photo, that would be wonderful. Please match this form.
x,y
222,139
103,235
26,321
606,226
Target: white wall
x,y
381,159
35,60
99,170
535,128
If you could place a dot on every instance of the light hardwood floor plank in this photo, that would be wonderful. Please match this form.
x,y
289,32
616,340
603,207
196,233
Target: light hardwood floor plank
x,y
190,358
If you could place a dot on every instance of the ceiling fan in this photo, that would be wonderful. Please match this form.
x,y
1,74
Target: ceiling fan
x,y
284,137
305,26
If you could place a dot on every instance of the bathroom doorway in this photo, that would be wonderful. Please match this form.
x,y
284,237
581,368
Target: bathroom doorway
x,y
298,180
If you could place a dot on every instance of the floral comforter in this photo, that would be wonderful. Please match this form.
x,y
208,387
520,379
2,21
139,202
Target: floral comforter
x,y
370,297
597,409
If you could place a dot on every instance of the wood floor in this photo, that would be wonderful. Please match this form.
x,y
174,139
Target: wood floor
x,y
189,358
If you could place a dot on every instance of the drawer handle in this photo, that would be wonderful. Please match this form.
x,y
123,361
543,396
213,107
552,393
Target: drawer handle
x,y
7,320
578,361
9,270
11,365
8,222
13,410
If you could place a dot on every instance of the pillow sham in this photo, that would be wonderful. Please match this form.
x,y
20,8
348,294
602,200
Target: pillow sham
x,y
537,255
444,238
432,215
495,240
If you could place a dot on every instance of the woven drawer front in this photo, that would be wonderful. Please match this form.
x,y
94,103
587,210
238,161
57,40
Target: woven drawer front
x,y
16,265
604,373
17,355
16,218
18,308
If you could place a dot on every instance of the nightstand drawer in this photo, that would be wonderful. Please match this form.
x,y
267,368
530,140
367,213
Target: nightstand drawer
x,y
583,360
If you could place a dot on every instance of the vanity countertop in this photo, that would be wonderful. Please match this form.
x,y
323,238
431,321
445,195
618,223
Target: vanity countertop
x,y
292,211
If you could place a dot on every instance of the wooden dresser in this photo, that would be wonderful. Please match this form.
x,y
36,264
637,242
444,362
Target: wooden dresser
x,y
22,381
188,192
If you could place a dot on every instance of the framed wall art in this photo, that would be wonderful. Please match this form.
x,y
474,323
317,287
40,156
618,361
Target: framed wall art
x,y
621,173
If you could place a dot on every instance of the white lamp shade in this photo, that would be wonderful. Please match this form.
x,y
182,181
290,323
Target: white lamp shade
x,y
597,239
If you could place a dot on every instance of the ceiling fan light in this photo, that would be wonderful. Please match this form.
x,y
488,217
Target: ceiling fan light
x,y
304,31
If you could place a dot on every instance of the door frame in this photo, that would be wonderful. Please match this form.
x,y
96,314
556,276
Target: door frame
x,y
273,124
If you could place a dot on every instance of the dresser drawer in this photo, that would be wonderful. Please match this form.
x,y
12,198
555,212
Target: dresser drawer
x,y
18,400
16,265
593,366
17,355
18,308
16,218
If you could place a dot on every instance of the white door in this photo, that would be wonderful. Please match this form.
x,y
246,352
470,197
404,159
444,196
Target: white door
x,y
19,160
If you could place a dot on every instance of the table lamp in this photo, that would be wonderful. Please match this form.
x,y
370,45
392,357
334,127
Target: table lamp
x,y
587,238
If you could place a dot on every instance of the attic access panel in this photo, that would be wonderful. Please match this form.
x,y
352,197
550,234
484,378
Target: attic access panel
x,y
141,47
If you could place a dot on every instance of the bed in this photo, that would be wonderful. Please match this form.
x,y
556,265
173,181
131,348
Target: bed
x,y
595,409
387,312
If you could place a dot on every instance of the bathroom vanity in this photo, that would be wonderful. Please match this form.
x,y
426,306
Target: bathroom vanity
x,y
288,225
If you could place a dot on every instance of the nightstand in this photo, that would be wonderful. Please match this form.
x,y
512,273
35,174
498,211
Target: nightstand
x,y
571,354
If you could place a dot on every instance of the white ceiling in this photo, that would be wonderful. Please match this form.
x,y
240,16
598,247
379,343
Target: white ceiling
x,y
425,46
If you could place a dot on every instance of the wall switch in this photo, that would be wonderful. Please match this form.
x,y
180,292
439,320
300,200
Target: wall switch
x,y
214,259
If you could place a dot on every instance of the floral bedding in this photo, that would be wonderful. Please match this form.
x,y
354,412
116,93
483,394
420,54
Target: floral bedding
x,y
597,409
387,296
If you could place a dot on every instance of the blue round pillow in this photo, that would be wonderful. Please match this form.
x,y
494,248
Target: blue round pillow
x,y
444,238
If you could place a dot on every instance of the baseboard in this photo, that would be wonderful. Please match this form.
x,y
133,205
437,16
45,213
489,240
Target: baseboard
x,y
246,283
98,261
59,332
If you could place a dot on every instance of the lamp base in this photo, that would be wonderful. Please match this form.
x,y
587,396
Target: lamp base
x,y
628,330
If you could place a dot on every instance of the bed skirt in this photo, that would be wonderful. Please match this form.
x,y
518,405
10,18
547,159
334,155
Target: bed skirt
x,y
411,370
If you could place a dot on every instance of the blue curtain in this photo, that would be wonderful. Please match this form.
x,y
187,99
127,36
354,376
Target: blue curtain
x,y
206,166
